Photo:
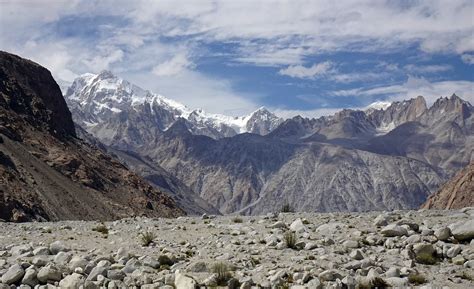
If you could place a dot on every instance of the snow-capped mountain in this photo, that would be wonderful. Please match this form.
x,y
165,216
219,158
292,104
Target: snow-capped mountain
x,y
100,100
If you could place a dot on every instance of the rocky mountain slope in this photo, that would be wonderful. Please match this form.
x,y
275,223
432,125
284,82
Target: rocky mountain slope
x,y
119,112
46,173
457,193
402,249
390,156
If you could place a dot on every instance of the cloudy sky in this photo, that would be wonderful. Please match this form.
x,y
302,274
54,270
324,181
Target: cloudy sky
x,y
295,57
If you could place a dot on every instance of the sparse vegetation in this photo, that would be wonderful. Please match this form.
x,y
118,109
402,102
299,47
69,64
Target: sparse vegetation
x,y
290,239
427,259
237,219
222,271
374,283
147,238
101,228
287,208
416,279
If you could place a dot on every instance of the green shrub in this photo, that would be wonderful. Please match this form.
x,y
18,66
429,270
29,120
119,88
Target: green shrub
x,y
147,238
287,208
222,271
427,259
290,239
237,220
101,228
416,278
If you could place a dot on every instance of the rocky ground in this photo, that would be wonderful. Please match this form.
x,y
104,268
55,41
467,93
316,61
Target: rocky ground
x,y
334,250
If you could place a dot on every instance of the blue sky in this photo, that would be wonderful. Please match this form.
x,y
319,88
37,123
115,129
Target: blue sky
x,y
295,57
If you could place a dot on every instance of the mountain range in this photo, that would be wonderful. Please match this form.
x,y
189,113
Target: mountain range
x,y
390,156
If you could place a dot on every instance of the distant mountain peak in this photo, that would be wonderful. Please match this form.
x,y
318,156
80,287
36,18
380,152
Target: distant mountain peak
x,y
98,97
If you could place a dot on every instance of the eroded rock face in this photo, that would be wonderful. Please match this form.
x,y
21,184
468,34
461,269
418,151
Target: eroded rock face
x,y
456,193
46,173
29,90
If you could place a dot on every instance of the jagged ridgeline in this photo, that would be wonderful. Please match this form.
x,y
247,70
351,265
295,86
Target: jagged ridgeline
x,y
388,157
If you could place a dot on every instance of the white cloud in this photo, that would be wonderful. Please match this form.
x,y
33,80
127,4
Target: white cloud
x,y
174,66
427,68
413,87
468,58
299,71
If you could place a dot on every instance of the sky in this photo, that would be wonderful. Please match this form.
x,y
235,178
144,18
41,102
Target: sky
x,y
304,57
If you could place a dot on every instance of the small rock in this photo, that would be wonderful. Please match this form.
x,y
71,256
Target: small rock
x,y
57,247
72,281
298,226
184,282
356,254
443,233
453,251
96,272
30,277
13,275
41,251
49,273
463,230
329,275
393,230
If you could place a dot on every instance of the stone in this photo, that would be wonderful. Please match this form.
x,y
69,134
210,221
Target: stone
x,y
453,251
443,233
62,258
96,272
57,247
329,275
458,260
41,251
298,226
350,244
397,282
463,230
40,261
198,266
183,281
150,262
392,272
30,277
314,283
13,274
469,264
49,273
356,254
393,230
116,275
381,220
72,281
278,225
78,262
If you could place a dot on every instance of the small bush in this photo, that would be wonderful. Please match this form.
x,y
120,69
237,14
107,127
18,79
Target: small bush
x,y
287,208
427,259
290,239
147,238
222,271
101,228
237,220
373,283
416,279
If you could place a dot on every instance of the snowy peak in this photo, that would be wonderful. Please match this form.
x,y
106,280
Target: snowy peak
x,y
97,98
